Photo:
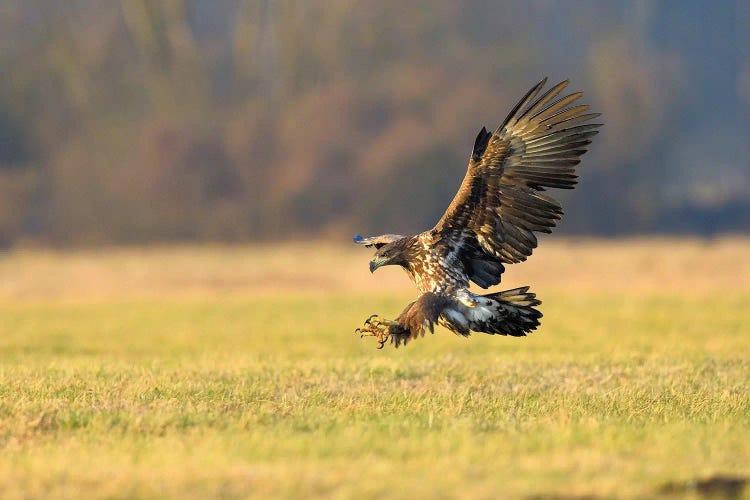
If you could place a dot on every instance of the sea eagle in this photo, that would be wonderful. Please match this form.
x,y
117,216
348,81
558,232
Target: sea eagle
x,y
491,222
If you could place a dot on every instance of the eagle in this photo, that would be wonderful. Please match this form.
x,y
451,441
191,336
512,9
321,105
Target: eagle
x,y
491,222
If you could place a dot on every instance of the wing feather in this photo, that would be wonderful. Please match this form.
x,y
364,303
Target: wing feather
x,y
499,205
549,95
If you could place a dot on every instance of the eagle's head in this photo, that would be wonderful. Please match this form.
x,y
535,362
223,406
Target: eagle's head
x,y
394,253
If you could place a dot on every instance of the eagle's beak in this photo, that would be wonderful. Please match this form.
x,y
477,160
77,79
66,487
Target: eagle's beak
x,y
376,262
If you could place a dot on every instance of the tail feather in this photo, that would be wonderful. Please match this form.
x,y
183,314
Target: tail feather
x,y
513,313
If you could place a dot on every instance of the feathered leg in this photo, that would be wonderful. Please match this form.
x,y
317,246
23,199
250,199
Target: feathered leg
x,y
421,314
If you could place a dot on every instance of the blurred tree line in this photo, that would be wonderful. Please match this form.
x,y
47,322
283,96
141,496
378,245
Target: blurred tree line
x,y
140,121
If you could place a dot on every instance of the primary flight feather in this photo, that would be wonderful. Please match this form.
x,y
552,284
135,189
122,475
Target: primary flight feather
x,y
490,222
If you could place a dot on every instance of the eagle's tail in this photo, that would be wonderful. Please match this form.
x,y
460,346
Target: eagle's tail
x,y
514,313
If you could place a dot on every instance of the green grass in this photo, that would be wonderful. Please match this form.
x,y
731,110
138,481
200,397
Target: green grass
x,y
237,395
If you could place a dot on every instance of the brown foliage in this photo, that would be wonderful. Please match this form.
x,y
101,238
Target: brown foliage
x,y
189,120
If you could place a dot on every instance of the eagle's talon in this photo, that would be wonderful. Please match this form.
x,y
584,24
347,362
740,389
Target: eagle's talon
x,y
378,321
378,329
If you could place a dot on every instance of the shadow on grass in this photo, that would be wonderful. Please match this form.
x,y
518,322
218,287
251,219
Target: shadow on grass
x,y
713,487
718,487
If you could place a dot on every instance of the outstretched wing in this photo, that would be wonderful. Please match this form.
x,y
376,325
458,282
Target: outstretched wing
x,y
499,205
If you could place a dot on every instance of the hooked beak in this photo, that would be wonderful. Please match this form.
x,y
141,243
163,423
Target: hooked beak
x,y
376,262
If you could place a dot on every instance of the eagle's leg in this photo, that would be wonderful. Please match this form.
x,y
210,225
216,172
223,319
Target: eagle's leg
x,y
380,328
377,320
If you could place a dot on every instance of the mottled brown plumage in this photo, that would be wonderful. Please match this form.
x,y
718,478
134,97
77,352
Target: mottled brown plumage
x,y
490,222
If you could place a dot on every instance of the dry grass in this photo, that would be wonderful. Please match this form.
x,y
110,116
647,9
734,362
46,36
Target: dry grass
x,y
621,266
195,372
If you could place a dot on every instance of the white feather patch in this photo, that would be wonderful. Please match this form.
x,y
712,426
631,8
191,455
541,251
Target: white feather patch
x,y
482,313
456,318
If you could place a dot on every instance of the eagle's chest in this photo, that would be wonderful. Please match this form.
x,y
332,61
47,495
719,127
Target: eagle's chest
x,y
433,270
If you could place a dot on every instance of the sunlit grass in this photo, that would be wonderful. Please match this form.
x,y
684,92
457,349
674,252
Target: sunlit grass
x,y
236,394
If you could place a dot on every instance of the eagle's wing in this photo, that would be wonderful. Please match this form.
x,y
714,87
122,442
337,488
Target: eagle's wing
x,y
499,205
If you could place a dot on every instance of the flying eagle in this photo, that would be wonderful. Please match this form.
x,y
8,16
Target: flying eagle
x,y
491,222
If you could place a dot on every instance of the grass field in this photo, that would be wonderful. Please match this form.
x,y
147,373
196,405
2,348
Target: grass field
x,y
232,372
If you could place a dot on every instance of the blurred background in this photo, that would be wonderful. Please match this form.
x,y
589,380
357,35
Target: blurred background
x,y
201,120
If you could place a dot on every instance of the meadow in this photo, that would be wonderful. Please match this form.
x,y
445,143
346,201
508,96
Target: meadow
x,y
212,371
